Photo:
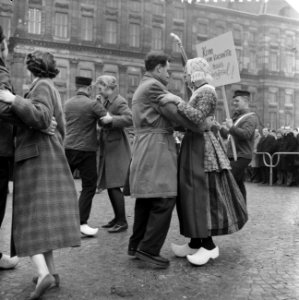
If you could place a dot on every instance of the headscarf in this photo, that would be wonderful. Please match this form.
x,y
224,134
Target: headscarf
x,y
199,69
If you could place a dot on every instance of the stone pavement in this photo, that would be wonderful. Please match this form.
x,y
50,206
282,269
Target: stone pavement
x,y
259,262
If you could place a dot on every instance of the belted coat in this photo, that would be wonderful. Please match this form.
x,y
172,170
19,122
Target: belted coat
x,y
45,208
153,170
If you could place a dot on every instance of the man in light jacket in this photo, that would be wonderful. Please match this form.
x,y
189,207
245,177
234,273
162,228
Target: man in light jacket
x,y
153,170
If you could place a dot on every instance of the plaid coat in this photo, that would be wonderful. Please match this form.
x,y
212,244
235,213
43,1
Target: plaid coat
x,y
45,209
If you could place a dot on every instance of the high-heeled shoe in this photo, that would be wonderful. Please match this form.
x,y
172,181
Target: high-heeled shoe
x,y
42,287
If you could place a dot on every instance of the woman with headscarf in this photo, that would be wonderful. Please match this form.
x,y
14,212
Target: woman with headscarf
x,y
210,202
45,209
115,153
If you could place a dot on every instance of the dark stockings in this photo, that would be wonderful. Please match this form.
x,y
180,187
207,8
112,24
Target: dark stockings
x,y
118,204
207,243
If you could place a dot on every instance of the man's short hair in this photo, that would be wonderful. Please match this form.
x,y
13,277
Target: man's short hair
x,y
154,58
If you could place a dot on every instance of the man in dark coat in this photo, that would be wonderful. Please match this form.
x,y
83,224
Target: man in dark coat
x,y
82,115
242,128
153,170
6,150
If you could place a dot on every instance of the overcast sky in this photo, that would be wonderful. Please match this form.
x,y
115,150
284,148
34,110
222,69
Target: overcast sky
x,y
294,4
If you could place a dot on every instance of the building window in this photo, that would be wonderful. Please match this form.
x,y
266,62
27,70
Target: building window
x,y
34,21
111,32
112,3
86,73
239,57
62,75
175,46
134,35
178,13
273,61
219,30
157,38
289,41
133,81
289,100
273,120
158,8
61,25
6,25
177,85
274,37
272,98
87,28
135,5
237,35
288,119
290,63
202,29
251,37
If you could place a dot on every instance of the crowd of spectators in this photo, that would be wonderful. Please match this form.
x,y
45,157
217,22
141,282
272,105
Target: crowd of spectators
x,y
285,139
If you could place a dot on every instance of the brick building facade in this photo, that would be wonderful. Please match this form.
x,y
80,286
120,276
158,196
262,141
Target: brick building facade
x,y
92,37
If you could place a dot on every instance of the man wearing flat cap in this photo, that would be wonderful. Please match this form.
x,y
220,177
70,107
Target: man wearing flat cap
x,y
82,115
242,128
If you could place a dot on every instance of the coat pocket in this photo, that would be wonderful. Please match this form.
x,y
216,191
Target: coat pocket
x,y
26,152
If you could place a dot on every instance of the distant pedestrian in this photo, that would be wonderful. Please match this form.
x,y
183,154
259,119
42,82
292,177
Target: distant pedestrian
x,y
115,152
82,114
45,210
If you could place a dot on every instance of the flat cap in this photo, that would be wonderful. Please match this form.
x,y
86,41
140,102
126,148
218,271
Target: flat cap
x,y
83,81
241,93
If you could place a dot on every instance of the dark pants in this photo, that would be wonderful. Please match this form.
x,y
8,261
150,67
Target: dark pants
x,y
117,200
151,223
238,170
85,162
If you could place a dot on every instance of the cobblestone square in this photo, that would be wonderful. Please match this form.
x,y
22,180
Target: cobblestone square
x,y
259,262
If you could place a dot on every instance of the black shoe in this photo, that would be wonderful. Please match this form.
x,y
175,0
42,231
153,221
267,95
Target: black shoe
x,y
156,260
110,224
118,228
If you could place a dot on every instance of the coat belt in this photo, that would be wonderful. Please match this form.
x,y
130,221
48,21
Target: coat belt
x,y
154,131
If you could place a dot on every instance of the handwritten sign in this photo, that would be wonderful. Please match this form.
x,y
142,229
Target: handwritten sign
x,y
221,55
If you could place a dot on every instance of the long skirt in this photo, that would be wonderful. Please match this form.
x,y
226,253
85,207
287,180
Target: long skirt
x,y
209,203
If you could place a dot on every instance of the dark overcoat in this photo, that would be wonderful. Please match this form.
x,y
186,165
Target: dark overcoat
x,y
115,152
45,208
